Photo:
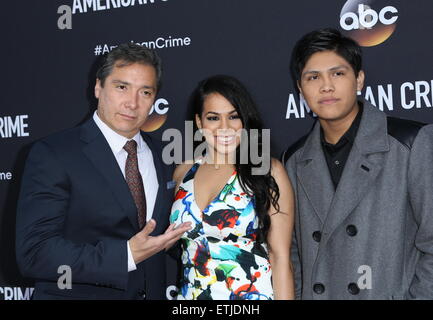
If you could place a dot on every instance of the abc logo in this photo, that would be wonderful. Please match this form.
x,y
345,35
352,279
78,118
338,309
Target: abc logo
x,y
367,24
157,116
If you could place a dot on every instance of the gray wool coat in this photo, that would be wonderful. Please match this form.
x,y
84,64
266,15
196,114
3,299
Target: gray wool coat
x,y
372,238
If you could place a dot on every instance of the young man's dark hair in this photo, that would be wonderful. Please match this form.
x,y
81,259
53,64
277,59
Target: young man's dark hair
x,y
326,39
126,54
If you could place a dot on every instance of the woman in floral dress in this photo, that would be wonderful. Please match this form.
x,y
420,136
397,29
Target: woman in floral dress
x,y
241,209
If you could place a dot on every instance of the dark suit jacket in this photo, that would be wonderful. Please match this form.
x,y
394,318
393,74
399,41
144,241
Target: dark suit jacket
x,y
75,209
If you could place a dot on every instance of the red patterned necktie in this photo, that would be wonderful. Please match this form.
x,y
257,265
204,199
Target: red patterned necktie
x,y
135,182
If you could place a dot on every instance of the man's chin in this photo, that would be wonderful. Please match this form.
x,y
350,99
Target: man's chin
x,y
128,132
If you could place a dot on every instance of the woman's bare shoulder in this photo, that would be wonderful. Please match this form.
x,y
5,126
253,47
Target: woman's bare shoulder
x,y
277,168
181,170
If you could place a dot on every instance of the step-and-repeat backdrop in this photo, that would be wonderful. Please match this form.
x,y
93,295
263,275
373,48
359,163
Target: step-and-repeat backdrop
x,y
49,49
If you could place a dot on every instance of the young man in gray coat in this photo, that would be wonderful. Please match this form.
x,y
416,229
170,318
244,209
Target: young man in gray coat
x,y
363,184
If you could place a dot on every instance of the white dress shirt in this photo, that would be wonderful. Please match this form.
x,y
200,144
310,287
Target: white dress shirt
x,y
145,166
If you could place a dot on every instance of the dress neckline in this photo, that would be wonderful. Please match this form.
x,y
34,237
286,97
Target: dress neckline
x,y
223,192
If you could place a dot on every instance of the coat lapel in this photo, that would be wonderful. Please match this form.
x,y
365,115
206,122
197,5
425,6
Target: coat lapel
x,y
314,176
362,167
160,173
99,153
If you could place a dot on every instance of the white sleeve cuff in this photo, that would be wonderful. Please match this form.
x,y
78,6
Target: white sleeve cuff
x,y
131,264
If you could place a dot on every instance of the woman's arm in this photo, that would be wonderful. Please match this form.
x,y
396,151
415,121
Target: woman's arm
x,y
280,235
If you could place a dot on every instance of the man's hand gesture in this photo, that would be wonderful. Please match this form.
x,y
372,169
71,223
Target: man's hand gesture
x,y
143,245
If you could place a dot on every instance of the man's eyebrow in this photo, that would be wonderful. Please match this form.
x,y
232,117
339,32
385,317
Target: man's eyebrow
x,y
120,81
127,83
341,66
309,71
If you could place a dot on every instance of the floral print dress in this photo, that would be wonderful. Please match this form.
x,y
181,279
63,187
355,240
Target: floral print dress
x,y
221,259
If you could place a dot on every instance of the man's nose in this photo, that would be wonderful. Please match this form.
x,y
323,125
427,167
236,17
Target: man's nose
x,y
132,101
327,84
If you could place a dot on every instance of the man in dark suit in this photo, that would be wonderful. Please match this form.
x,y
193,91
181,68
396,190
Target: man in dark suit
x,y
93,210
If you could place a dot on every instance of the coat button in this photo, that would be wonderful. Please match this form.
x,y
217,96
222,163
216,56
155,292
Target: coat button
x,y
351,230
319,288
317,235
353,288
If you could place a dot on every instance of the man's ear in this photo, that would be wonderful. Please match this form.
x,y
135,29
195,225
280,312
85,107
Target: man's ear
x,y
97,88
299,86
360,80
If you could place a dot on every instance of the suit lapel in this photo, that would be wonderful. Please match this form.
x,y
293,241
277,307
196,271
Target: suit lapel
x,y
314,176
363,165
160,173
99,153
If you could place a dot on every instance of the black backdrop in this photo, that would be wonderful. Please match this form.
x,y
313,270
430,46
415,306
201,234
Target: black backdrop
x,y
48,74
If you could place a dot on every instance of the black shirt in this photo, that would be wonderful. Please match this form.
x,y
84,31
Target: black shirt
x,y
336,154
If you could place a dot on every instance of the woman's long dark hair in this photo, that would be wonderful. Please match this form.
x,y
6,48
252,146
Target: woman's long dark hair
x,y
262,188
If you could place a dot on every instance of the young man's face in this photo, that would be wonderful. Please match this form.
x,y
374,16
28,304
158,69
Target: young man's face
x,y
126,98
329,86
